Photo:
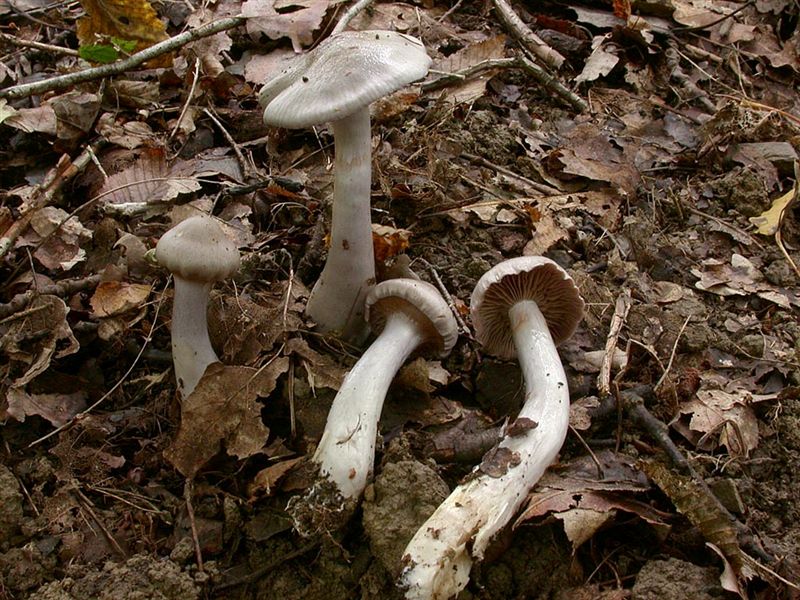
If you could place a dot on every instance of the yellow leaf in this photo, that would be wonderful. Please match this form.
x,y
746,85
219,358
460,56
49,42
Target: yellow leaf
x,y
768,222
125,19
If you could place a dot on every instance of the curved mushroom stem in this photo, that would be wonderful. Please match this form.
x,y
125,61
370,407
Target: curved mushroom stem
x,y
347,449
191,346
337,300
439,556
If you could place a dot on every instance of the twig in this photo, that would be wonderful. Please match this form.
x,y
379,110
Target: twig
x,y
62,81
529,40
243,164
103,398
264,569
189,98
15,41
87,504
524,181
53,182
544,78
687,28
350,14
188,490
463,327
621,309
61,289
671,356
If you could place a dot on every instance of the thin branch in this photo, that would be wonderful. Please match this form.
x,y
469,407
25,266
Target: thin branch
x,y
70,79
544,78
621,309
60,174
61,289
529,40
15,41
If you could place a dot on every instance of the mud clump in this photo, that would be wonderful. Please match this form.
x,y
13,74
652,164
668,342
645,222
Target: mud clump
x,y
10,505
403,496
677,580
140,577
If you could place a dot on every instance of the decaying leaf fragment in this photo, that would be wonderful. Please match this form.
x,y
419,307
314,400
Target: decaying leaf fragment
x,y
584,499
224,410
38,335
703,512
295,19
58,409
726,414
117,297
769,222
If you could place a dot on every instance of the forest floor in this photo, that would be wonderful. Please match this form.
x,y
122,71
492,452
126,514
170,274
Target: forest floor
x,y
661,173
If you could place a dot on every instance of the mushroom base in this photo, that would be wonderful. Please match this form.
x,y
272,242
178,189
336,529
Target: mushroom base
x,y
322,510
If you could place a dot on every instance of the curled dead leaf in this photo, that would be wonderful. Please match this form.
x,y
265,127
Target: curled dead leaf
x,y
224,410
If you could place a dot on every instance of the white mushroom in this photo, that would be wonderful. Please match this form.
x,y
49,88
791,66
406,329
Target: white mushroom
x,y
336,82
409,316
198,253
522,307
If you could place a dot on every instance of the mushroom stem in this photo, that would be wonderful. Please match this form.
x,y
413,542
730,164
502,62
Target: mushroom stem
x,y
347,447
439,556
191,346
350,268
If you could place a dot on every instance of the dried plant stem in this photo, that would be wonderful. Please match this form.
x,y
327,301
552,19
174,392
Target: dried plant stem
x,y
545,79
61,289
621,309
135,60
15,41
529,40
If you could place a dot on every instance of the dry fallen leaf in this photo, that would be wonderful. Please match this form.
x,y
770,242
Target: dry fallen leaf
x,y
769,222
37,338
729,415
56,408
133,20
148,182
388,242
224,410
295,19
600,62
117,297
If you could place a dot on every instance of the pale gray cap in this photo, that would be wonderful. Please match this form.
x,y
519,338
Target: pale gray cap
x,y
197,249
346,72
421,302
523,278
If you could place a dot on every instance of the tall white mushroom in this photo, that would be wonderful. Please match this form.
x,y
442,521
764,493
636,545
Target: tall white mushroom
x,y
522,307
198,253
409,316
335,82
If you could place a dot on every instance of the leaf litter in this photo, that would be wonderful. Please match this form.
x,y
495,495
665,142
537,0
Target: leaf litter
x,y
673,185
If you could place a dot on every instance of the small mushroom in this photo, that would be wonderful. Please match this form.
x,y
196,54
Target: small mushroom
x,y
522,307
409,316
198,253
336,82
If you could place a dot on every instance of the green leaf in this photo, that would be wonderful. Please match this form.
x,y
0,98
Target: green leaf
x,y
100,53
127,46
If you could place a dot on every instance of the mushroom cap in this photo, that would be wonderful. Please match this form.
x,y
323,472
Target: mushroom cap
x,y
346,72
197,249
523,278
419,301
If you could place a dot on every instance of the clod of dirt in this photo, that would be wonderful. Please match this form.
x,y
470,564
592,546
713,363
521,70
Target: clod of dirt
x,y
141,576
743,190
403,496
10,505
677,580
